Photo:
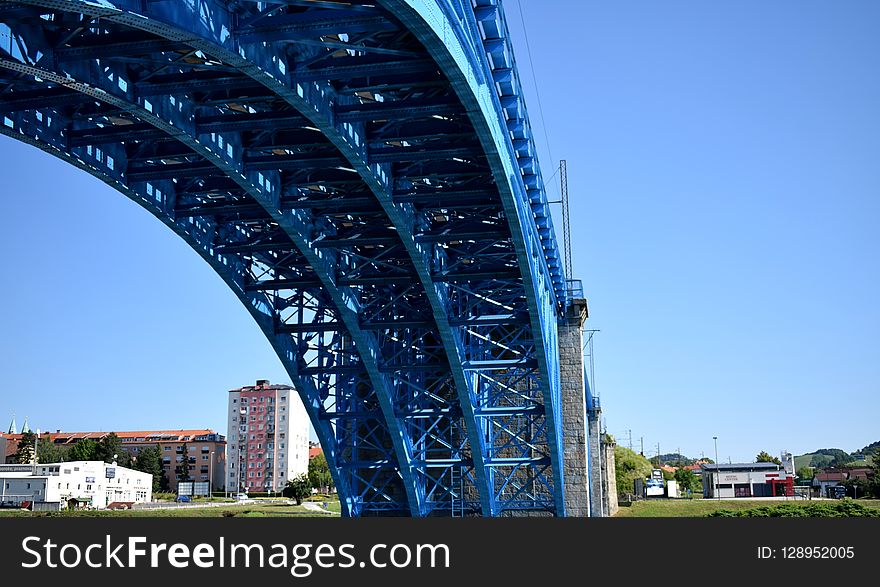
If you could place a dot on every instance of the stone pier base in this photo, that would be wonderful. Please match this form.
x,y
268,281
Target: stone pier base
x,y
574,413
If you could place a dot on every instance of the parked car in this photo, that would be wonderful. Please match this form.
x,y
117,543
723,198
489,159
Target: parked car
x,y
183,498
241,497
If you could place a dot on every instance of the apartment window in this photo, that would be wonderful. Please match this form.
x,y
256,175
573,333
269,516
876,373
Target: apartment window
x,y
233,447
204,457
262,399
259,473
251,474
235,401
29,486
282,418
282,444
260,427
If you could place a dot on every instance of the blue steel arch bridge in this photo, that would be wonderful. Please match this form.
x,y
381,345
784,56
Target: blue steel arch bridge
x,y
362,174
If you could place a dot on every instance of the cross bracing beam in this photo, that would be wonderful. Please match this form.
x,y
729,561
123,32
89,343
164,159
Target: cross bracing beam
x,y
371,111
36,99
115,46
417,153
192,81
114,134
271,120
346,68
313,24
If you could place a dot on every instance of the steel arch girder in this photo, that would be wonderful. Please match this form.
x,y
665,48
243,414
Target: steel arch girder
x,y
261,190
456,51
377,177
349,142
24,130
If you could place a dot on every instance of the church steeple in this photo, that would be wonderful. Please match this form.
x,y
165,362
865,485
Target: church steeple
x,y
12,428
24,427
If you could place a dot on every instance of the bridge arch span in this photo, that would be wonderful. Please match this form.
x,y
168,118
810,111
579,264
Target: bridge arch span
x,y
332,171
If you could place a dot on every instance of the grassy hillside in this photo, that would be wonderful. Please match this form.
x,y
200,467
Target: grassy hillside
x,y
697,508
256,510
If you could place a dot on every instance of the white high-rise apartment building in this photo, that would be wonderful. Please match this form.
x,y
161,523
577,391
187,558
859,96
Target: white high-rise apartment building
x,y
268,437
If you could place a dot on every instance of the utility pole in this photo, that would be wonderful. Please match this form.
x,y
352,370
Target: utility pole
x,y
642,451
566,220
630,437
715,484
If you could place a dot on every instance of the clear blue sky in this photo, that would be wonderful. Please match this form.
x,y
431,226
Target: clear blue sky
x,y
725,193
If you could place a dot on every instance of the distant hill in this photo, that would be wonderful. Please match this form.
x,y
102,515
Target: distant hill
x,y
835,457
673,458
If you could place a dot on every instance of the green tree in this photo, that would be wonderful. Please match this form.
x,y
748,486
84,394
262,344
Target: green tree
x,y
298,488
687,480
85,449
804,473
24,455
149,460
873,486
182,469
111,446
319,473
49,452
629,466
764,457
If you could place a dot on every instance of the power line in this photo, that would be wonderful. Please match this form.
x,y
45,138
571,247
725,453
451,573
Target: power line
x,y
535,82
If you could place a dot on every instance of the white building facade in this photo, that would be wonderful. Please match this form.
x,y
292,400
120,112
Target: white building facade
x,y
94,484
746,480
267,438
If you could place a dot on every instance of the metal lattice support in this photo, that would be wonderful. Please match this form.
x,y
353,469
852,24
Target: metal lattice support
x,y
370,191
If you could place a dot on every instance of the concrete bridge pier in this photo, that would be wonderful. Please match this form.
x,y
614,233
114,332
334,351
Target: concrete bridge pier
x,y
588,455
576,466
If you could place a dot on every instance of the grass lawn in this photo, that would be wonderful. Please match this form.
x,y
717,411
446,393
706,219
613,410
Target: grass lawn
x,y
254,510
695,508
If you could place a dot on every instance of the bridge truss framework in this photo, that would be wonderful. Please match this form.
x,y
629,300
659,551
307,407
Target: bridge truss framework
x,y
362,175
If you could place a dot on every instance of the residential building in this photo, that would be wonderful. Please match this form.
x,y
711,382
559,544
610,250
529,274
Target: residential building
x,y
204,450
268,437
824,480
93,484
746,480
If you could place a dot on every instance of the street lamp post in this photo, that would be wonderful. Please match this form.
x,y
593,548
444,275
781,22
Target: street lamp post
x,y
717,493
211,477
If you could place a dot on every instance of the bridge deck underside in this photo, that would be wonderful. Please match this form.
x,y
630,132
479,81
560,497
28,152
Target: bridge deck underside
x,y
318,159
